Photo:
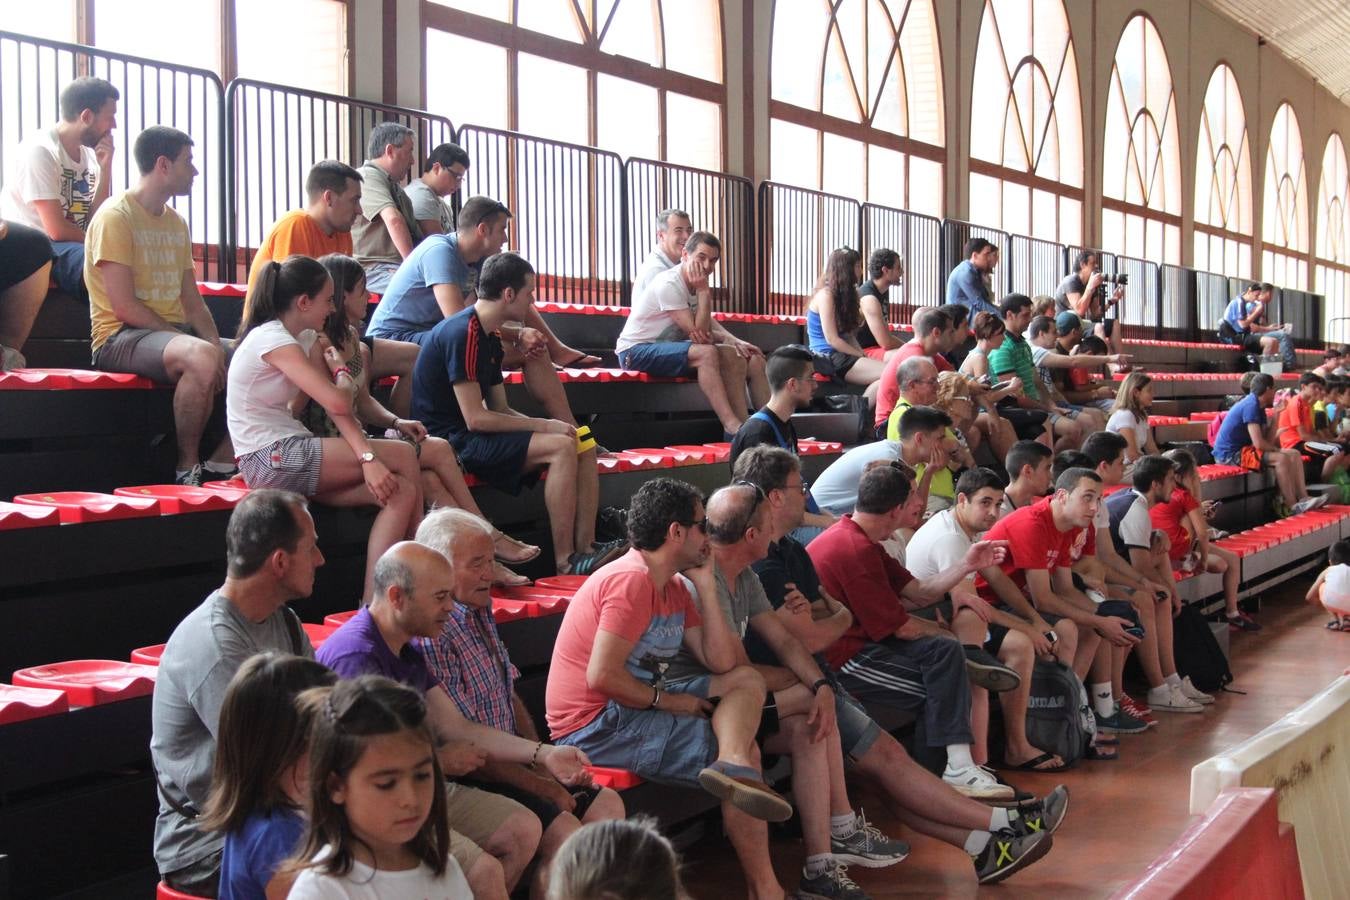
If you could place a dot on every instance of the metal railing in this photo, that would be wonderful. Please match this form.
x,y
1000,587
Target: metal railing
x,y
34,70
568,205
1303,310
275,134
798,229
918,240
721,204
1035,266
955,233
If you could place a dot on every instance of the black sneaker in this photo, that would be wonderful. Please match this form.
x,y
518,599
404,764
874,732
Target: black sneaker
x,y
611,523
832,884
1044,815
191,478
1008,852
587,563
987,672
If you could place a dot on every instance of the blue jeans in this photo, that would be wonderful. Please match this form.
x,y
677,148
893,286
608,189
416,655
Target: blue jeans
x,y
1286,347
68,268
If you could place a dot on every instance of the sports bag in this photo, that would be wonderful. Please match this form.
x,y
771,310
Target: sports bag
x,y
1198,654
1059,715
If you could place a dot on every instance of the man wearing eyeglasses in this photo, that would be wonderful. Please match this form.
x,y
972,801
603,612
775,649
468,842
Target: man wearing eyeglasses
x,y
818,620
443,173
799,720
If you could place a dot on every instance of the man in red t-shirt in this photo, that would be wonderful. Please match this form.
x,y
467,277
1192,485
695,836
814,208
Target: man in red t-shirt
x,y
1296,425
932,334
886,656
1041,540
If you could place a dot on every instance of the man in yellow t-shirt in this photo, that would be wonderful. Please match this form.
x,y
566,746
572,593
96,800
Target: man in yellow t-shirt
x,y
145,313
917,377
333,191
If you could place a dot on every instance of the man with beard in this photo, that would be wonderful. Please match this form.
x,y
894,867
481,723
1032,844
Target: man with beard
x,y
64,174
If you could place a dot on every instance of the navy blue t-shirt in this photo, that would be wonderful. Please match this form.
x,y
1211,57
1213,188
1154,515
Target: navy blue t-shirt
x,y
1233,433
456,350
255,852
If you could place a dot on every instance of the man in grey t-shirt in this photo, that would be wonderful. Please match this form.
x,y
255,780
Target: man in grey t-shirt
x,y
387,230
272,552
442,174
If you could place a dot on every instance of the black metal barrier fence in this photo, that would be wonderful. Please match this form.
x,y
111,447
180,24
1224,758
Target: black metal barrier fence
x,y
918,239
798,229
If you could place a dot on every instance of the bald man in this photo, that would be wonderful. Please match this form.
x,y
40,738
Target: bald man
x,y
414,596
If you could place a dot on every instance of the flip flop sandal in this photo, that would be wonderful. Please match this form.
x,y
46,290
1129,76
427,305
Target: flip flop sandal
x,y
504,577
579,361
1035,764
521,545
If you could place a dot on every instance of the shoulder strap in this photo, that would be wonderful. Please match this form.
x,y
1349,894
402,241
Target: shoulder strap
x,y
294,631
777,432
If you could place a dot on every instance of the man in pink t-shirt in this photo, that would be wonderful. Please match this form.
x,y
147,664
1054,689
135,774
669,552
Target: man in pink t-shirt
x,y
607,693
933,331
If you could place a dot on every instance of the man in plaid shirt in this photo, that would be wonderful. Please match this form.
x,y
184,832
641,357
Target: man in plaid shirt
x,y
469,660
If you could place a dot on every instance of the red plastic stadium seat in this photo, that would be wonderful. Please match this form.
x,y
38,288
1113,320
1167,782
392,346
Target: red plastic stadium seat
x,y
86,506
181,498
1206,415
221,289
91,682
690,457
510,610
164,892
71,380
337,620
585,309
24,515
148,656
18,703
551,606
614,779
809,447
561,584
705,452
233,485
637,460
318,633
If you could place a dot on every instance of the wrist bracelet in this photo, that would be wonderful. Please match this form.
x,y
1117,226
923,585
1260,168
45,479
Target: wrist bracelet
x,y
394,424
343,370
656,697
537,747
820,683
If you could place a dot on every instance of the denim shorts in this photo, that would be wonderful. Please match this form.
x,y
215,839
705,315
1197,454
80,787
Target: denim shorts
x,y
655,744
668,359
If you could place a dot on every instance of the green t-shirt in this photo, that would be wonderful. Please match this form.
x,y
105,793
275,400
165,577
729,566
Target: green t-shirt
x,y
1014,358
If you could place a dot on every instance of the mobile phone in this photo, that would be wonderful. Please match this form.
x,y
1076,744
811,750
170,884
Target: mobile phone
x,y
1136,630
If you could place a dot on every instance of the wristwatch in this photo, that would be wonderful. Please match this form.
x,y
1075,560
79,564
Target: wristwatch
x,y
367,457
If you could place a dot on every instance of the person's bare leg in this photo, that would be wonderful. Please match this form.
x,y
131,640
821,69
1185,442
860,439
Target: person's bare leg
x,y
395,358
865,371
909,786
559,453
758,382
706,362
1167,661
541,380
1226,562
514,843
19,307
1016,653
736,718
486,879
732,366
750,839
559,830
1284,479
588,499
1146,651
970,629
194,366
817,793
1086,651
342,483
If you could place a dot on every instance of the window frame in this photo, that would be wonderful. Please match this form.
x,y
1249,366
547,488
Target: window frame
x,y
1247,188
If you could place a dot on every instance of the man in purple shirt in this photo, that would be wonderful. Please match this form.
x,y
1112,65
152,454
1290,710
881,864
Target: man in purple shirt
x,y
413,597
470,662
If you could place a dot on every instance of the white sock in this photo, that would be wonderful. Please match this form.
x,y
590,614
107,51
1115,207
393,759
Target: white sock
x,y
1102,703
1174,680
999,819
817,864
958,756
843,826
218,466
976,841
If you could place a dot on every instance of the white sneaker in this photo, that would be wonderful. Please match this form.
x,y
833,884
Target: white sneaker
x,y
11,359
1194,692
1171,699
1310,503
978,783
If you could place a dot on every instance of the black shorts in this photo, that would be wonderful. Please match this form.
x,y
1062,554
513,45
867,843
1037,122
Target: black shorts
x,y
23,251
1028,423
834,364
544,809
496,457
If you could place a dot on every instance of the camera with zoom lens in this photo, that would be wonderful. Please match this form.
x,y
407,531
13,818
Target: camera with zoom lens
x,y
1121,278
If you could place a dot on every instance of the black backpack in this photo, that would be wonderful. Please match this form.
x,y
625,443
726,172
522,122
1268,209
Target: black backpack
x,y
1059,715
1198,654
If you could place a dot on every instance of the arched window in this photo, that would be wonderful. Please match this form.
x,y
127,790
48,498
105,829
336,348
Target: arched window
x,y
638,77
1026,135
1284,215
1332,270
1141,156
856,100
1223,181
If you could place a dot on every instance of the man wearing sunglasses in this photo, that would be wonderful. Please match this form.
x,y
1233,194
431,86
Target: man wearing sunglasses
x,y
1000,841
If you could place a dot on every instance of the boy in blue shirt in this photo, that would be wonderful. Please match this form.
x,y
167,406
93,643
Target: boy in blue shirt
x,y
1244,441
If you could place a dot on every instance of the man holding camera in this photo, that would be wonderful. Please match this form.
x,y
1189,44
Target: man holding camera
x,y
1083,292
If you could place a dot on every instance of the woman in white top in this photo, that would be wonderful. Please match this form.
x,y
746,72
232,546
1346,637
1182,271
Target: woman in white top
x,y
287,304
1129,416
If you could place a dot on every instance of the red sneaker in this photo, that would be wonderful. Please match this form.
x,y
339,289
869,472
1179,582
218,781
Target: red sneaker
x,y
1137,709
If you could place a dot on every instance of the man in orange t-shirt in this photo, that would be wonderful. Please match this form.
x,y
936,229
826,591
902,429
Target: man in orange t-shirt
x,y
1296,426
333,190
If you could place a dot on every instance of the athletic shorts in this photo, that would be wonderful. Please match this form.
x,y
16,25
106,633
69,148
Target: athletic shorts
x,y
1247,457
1028,423
407,337
290,464
139,351
666,359
497,457
24,251
834,364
